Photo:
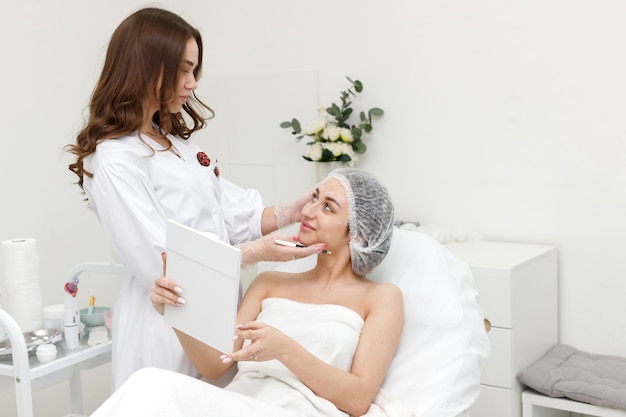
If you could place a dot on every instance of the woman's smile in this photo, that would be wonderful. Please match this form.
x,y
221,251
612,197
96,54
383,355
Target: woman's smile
x,y
305,226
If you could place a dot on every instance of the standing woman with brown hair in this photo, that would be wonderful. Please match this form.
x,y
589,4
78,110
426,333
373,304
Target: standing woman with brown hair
x,y
138,169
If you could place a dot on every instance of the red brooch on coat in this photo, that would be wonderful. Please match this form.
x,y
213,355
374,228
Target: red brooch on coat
x,y
206,161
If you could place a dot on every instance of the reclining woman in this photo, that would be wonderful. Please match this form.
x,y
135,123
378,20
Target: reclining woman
x,y
316,343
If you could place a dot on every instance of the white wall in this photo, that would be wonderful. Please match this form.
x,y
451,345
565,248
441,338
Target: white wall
x,y
503,117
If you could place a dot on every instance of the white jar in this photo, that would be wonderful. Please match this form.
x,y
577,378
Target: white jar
x,y
53,316
46,352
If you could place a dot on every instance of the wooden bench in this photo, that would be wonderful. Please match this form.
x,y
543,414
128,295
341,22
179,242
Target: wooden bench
x,y
535,404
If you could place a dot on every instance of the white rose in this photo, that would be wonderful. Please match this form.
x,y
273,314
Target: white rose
x,y
314,127
347,149
346,135
331,132
337,148
315,151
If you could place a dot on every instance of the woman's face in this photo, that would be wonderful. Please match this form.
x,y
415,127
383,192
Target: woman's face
x,y
186,76
325,217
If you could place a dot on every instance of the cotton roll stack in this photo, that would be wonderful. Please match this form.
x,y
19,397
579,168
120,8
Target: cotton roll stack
x,y
21,290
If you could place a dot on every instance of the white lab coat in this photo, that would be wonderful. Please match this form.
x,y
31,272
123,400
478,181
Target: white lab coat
x,y
134,191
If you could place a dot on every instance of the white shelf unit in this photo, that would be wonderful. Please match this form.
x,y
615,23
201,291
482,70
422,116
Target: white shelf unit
x,y
518,287
539,405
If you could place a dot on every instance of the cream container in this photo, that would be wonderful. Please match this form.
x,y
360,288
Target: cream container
x,y
53,316
46,352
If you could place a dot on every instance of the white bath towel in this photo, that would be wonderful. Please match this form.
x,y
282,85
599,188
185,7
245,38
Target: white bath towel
x,y
385,405
160,393
260,388
330,332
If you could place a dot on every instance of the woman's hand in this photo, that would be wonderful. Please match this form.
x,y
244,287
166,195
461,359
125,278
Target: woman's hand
x,y
266,343
165,291
266,249
291,212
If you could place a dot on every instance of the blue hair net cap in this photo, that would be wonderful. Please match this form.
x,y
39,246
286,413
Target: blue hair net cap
x,y
371,217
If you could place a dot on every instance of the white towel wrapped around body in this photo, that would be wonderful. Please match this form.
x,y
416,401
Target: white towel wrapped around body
x,y
260,388
330,332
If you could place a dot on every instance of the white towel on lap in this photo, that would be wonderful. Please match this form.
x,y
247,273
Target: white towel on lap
x,y
385,405
159,393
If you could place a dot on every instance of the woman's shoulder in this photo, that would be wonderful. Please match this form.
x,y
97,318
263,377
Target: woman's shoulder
x,y
124,150
382,299
124,144
384,292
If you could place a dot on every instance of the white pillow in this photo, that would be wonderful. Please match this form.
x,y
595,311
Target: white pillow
x,y
435,371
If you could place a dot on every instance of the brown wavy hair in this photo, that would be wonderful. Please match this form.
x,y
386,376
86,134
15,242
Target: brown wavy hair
x,y
146,46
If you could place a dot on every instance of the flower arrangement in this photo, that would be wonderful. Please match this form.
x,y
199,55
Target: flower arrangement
x,y
333,137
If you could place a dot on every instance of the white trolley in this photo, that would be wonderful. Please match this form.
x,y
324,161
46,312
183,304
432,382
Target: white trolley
x,y
29,375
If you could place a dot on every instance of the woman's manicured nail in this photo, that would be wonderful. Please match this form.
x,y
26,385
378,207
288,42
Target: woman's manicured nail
x,y
227,360
178,290
180,301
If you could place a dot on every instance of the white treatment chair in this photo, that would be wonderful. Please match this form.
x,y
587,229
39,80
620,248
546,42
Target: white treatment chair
x,y
436,368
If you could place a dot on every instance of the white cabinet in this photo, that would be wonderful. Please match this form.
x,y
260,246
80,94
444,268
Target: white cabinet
x,y
518,286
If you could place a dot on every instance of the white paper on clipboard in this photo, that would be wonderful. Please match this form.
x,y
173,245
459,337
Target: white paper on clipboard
x,y
207,270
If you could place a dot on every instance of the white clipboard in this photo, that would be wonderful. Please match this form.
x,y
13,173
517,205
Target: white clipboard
x,y
207,270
